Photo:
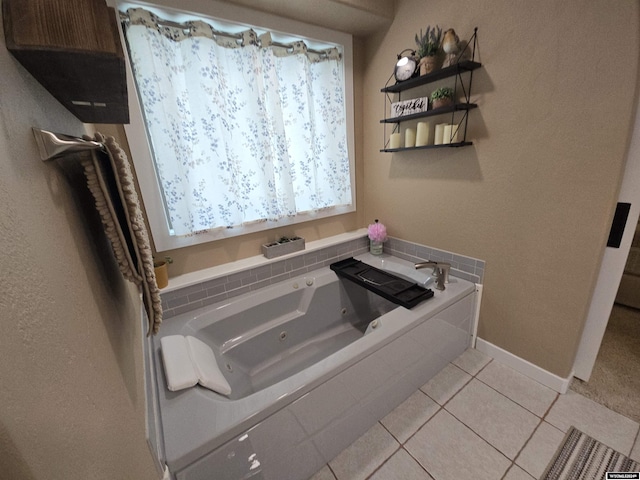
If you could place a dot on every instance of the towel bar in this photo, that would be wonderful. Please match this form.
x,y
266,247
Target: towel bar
x,y
53,145
110,180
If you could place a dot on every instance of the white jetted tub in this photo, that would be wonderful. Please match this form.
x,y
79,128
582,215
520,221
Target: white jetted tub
x,y
313,362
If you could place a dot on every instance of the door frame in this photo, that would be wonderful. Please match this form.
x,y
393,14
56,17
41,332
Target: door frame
x,y
613,263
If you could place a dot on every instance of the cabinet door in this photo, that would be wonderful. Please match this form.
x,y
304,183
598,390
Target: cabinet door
x,y
73,49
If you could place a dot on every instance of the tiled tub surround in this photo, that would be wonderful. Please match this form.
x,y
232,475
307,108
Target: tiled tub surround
x,y
468,268
263,272
290,429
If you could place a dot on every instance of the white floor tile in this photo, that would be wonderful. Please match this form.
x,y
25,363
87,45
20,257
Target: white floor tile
x,y
635,452
409,416
516,473
540,449
401,467
324,474
484,422
446,384
365,455
472,361
448,449
526,392
500,421
597,421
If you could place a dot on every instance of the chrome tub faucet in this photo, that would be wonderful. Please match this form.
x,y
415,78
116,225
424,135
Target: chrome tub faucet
x,y
440,272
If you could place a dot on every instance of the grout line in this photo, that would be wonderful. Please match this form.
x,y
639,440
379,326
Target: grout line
x,y
456,392
473,376
418,461
551,406
385,460
514,401
491,360
440,407
389,431
513,461
527,443
506,472
479,436
542,420
332,472
402,445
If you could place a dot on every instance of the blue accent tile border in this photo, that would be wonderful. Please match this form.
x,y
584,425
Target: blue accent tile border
x,y
190,298
218,289
467,268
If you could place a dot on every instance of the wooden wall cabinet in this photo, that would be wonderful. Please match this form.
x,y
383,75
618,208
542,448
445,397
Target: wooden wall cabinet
x,y
73,49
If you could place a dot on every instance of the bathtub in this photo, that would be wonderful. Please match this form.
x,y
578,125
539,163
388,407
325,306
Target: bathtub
x,y
313,362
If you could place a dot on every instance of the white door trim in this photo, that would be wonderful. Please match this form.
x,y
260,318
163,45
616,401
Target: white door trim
x,y
613,263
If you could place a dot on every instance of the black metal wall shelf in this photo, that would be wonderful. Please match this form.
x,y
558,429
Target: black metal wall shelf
x,y
430,113
446,72
459,112
428,147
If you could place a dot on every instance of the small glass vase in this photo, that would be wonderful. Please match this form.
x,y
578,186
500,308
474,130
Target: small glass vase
x,y
375,248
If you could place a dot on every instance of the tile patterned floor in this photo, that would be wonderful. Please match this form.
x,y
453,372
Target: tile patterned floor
x,y
477,419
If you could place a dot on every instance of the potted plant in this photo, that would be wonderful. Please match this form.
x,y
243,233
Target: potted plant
x,y
283,246
429,49
441,97
161,271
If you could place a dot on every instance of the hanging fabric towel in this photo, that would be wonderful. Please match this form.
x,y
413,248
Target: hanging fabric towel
x,y
110,181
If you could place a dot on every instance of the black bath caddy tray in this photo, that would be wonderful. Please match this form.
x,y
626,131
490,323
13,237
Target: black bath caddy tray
x,y
389,286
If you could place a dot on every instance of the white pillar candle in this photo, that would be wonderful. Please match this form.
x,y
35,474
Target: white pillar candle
x,y
439,134
422,135
394,141
446,134
409,138
454,133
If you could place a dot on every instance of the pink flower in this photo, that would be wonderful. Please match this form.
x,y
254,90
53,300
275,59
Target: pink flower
x,y
377,232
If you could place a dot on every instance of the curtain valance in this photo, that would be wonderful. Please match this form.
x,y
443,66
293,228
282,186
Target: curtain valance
x,y
198,28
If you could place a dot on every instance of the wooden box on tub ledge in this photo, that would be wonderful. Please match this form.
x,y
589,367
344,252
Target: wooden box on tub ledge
x,y
283,246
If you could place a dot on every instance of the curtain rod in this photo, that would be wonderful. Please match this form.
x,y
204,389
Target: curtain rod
x,y
186,26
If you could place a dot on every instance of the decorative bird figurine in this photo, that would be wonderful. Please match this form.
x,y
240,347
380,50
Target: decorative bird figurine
x,y
451,46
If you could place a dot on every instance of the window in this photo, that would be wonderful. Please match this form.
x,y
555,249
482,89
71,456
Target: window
x,y
246,128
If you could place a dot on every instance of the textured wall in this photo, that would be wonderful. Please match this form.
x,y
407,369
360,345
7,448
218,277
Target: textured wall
x,y
535,193
72,404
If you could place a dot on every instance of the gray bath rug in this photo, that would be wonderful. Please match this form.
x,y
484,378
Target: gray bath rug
x,y
580,457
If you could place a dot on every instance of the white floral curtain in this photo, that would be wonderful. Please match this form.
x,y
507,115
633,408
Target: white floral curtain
x,y
240,131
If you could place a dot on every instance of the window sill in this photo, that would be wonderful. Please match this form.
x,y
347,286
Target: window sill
x,y
200,276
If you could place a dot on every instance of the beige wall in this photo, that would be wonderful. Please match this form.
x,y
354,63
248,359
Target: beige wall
x,y
535,193
71,398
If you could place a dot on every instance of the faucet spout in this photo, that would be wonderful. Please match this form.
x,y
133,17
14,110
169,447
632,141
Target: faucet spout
x,y
440,272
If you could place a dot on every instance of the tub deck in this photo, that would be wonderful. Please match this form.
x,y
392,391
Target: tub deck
x,y
268,373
